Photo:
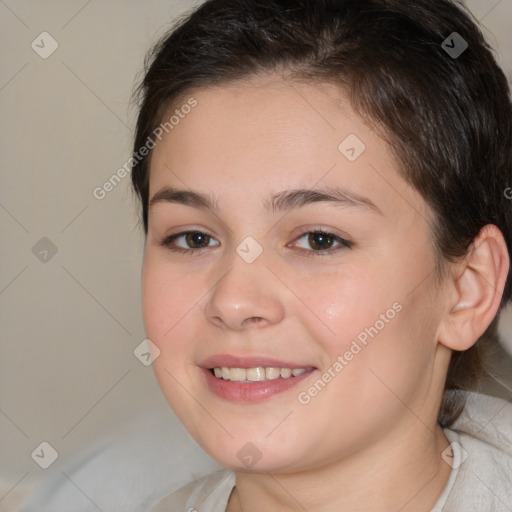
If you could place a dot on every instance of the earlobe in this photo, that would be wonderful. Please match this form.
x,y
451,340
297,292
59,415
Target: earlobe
x,y
476,290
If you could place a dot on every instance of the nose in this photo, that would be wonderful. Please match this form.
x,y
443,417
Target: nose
x,y
247,296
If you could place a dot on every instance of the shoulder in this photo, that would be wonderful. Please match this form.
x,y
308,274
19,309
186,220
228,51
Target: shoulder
x,y
487,420
208,494
483,434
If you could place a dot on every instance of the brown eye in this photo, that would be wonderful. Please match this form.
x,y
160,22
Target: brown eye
x,y
196,239
189,241
320,241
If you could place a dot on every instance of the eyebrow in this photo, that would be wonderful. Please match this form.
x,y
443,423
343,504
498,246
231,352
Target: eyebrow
x,y
280,202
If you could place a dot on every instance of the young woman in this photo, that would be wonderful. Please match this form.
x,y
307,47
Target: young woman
x,y
325,192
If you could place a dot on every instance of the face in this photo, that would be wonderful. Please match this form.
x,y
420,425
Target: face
x,y
304,251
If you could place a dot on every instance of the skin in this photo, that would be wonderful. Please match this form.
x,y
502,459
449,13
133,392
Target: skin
x,y
369,440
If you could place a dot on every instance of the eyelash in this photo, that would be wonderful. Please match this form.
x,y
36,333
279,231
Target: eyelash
x,y
343,244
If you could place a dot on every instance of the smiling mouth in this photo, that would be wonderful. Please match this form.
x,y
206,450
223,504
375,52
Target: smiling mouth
x,y
257,374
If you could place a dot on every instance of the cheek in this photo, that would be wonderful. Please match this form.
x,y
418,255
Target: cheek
x,y
345,306
373,322
170,305
170,300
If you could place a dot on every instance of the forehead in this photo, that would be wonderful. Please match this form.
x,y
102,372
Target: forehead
x,y
265,135
260,123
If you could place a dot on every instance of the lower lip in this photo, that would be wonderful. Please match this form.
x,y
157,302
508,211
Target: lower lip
x,y
251,391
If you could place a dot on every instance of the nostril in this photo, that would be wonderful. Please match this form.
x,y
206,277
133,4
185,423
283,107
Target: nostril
x,y
253,319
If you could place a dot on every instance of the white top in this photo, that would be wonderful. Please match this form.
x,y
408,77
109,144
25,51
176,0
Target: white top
x,y
480,481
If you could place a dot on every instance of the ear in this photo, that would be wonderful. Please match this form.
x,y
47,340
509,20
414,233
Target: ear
x,y
475,290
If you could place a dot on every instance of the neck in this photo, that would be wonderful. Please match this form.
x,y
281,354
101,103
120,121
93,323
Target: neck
x,y
408,477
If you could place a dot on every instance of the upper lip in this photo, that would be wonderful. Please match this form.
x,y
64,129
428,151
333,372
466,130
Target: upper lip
x,y
232,361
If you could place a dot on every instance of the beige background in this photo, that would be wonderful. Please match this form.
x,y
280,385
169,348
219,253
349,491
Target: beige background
x,y
70,325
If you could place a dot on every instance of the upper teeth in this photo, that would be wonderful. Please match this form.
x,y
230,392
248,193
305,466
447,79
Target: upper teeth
x,y
256,374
